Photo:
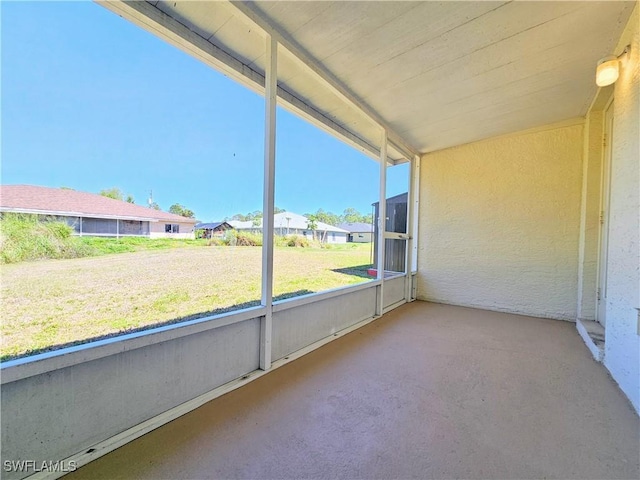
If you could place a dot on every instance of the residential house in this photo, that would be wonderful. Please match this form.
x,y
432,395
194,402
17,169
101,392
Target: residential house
x,y
213,229
90,214
359,232
289,223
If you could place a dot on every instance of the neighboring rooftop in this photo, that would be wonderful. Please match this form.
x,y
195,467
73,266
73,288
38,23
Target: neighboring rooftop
x,y
212,225
288,220
357,227
66,202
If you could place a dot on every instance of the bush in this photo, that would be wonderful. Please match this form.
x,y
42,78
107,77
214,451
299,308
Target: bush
x,y
246,239
296,241
281,241
216,242
24,237
242,239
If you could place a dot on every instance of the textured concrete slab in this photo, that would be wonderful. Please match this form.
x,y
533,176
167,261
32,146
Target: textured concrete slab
x,y
427,391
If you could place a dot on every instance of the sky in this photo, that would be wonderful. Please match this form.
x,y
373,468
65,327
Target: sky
x,y
90,102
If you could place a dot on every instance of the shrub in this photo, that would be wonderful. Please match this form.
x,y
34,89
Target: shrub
x,y
242,239
216,242
281,241
296,241
247,239
24,237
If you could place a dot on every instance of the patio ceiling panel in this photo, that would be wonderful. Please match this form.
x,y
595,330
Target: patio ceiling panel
x,y
429,69
334,26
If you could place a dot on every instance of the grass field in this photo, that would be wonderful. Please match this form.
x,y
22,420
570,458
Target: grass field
x,y
52,303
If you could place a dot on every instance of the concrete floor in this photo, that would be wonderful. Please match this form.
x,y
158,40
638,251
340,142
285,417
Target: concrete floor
x,y
428,391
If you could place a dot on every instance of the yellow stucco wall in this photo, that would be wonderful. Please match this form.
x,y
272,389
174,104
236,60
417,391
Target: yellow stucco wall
x,y
500,222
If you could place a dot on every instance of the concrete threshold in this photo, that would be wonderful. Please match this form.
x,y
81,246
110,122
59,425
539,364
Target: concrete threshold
x,y
592,334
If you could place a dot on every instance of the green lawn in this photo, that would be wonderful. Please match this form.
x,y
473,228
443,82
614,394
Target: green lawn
x,y
52,303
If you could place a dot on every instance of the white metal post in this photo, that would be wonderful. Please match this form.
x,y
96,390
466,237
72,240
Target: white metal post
x,y
416,211
408,258
270,92
382,217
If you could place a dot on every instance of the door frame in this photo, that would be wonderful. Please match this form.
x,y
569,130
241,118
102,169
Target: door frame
x,y
605,197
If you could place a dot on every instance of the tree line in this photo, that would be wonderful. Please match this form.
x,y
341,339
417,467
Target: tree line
x,y
254,217
349,215
117,194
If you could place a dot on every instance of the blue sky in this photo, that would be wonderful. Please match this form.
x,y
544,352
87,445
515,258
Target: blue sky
x,y
90,101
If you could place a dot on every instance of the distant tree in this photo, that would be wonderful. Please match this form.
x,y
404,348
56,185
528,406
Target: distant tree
x,y
351,215
154,206
312,224
178,209
114,193
130,199
327,217
66,188
254,217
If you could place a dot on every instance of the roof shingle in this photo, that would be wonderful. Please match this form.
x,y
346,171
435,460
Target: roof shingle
x,y
61,201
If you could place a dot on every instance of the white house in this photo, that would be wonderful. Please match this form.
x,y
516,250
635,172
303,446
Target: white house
x,y
359,232
289,223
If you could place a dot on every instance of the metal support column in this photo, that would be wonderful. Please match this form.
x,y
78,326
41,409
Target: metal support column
x,y
416,211
408,250
382,217
270,92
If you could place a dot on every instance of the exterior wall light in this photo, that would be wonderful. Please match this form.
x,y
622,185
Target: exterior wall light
x,y
608,68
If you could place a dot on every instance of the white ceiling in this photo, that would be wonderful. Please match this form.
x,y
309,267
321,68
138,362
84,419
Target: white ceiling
x,y
434,74
447,73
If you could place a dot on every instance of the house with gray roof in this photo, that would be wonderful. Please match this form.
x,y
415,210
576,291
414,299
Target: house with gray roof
x,y
289,223
212,229
359,232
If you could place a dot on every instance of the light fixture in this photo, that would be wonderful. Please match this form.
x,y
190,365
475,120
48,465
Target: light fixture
x,y
608,68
